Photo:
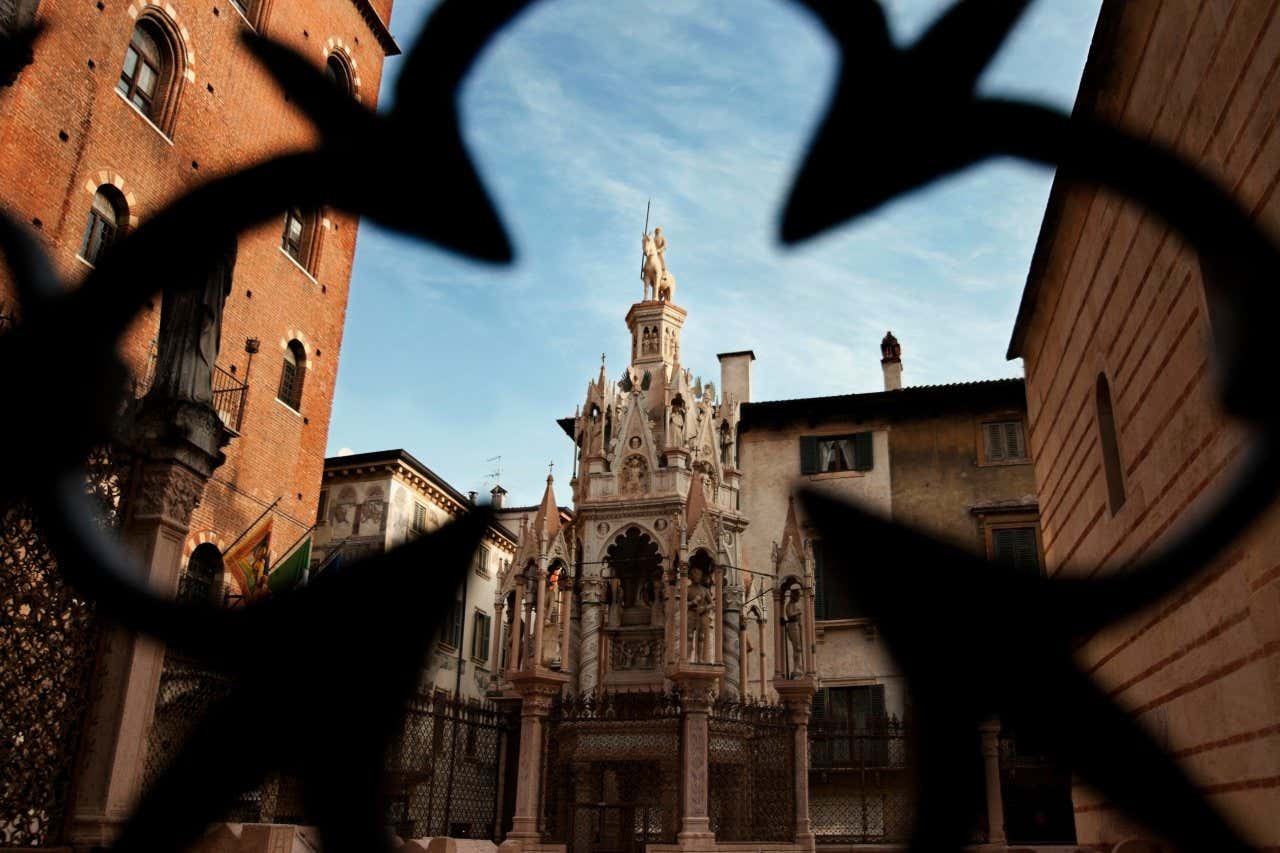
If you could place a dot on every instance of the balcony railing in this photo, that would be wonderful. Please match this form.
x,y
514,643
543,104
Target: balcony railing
x,y
228,398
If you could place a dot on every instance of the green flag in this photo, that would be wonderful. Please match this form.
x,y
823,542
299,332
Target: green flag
x,y
289,572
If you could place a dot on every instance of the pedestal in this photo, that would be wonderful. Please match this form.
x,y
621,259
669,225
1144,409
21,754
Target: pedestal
x,y
178,445
698,684
797,695
538,688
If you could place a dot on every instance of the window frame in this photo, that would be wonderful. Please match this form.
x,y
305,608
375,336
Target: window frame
x,y
322,508
480,561
453,630
295,370
305,250
481,637
984,457
1013,518
862,445
112,199
167,65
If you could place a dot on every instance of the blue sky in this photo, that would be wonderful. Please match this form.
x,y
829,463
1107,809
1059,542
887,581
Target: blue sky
x,y
583,110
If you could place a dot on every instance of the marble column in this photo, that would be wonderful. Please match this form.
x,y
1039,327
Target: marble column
x,y
990,733
540,618
732,655
180,446
535,706
695,821
518,624
588,665
763,658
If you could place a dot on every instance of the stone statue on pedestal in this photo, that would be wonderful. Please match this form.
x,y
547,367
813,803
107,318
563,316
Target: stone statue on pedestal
x,y
701,615
191,332
792,614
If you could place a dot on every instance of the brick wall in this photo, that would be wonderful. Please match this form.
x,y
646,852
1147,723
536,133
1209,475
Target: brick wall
x,y
64,130
1114,292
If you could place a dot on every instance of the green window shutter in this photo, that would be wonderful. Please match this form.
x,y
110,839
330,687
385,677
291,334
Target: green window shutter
x,y
1015,547
862,452
808,454
819,585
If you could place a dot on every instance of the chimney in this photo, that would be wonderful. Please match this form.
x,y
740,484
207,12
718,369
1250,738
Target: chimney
x,y
499,496
471,496
891,362
735,374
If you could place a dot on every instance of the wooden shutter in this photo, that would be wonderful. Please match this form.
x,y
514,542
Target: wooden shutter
x,y
1015,547
819,585
995,442
1014,443
456,639
862,452
321,506
808,454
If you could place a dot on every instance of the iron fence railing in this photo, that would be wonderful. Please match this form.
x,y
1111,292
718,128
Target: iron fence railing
x,y
441,773
229,397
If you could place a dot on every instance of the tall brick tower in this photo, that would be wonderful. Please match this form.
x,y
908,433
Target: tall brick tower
x,y
131,103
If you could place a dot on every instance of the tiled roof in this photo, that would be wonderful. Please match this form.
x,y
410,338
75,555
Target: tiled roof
x,y
912,401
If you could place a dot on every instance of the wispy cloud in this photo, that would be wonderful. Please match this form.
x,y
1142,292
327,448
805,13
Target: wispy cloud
x,y
581,112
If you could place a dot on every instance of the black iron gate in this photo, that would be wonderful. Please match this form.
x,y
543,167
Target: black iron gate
x,y
48,642
612,766
751,784
860,788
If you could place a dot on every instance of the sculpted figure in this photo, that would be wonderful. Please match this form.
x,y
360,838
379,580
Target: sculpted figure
x,y
701,614
677,426
190,334
791,615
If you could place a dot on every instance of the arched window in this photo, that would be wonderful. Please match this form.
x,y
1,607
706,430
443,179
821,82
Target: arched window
x,y
300,237
152,71
107,217
1110,446
292,375
199,580
338,70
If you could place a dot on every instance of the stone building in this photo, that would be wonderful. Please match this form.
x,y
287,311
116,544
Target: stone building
x,y
687,566
126,107
1129,441
129,106
372,502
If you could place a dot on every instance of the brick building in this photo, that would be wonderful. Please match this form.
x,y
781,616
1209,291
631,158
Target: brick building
x,y
127,106
1126,432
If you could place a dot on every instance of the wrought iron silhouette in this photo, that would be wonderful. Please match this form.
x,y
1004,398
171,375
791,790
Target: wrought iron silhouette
x,y
927,121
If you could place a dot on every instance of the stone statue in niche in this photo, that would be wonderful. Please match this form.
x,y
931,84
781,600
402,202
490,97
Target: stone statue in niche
x,y
792,618
191,333
701,616
677,425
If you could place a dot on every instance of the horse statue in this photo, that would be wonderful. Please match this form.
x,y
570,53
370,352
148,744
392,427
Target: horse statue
x,y
658,282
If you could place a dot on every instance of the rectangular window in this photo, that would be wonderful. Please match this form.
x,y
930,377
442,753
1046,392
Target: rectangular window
x,y
849,727
480,639
481,561
453,626
321,507
1005,441
419,519
292,240
824,454
1016,548
833,594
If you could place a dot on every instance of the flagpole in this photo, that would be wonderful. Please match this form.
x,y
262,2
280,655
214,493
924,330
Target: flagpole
x,y
288,552
227,549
